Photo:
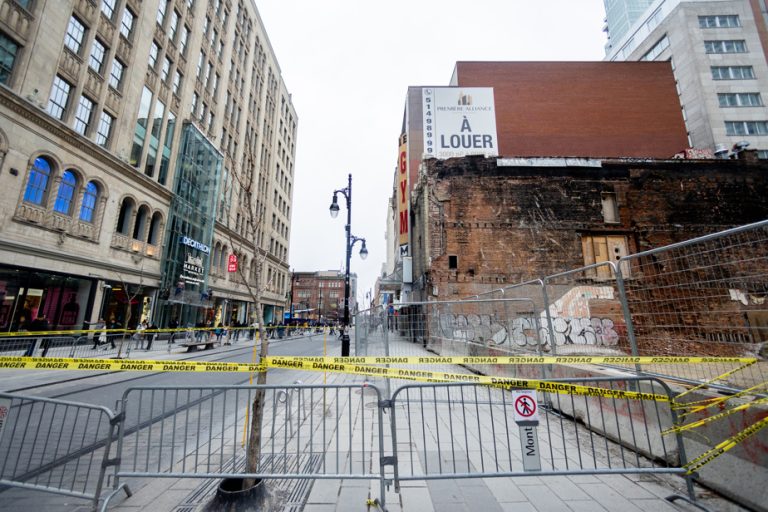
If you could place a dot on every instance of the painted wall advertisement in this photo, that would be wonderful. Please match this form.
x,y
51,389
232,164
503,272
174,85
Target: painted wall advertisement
x,y
459,121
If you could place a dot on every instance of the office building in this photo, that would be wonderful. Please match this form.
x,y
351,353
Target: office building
x,y
717,50
136,136
620,15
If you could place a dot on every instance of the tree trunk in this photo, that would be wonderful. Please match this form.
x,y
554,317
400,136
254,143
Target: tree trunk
x,y
253,453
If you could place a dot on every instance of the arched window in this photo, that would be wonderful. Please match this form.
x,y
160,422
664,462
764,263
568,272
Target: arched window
x,y
215,257
124,217
154,229
223,258
88,208
66,193
37,186
140,227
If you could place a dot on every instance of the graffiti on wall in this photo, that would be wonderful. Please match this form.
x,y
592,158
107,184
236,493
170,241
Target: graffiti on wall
x,y
572,323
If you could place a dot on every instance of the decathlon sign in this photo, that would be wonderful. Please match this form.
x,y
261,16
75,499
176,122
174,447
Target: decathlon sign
x,y
189,242
459,121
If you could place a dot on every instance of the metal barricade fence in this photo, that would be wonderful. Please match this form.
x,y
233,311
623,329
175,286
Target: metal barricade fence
x,y
309,432
38,345
55,446
704,297
464,430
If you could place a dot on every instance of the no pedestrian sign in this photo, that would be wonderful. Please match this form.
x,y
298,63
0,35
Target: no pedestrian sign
x,y
526,409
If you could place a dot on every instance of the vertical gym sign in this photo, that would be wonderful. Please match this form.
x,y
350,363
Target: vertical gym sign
x,y
403,195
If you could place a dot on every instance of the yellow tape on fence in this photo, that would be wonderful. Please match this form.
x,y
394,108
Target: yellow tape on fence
x,y
66,363
505,360
433,376
710,455
704,421
53,363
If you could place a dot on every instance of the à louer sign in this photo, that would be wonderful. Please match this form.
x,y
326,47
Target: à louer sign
x,y
459,121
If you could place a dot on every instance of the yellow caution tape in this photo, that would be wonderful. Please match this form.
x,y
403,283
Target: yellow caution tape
x,y
54,363
700,405
504,360
65,363
432,376
83,332
704,421
710,455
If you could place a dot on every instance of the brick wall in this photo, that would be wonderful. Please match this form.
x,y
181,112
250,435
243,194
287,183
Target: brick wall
x,y
600,109
510,224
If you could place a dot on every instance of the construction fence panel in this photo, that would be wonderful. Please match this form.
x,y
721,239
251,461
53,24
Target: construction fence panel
x,y
55,446
706,297
308,432
465,430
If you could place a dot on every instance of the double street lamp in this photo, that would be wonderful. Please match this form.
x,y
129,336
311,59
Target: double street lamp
x,y
351,241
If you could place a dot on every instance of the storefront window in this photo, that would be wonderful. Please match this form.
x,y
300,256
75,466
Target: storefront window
x,y
27,294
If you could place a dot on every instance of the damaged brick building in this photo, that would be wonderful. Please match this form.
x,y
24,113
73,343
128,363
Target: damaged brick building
x,y
482,223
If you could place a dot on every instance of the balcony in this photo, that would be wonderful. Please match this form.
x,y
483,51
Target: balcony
x,y
113,99
30,213
84,230
59,222
94,83
124,48
152,251
121,241
88,9
16,18
70,64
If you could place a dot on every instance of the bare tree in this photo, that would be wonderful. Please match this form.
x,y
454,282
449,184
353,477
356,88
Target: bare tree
x,y
130,296
253,212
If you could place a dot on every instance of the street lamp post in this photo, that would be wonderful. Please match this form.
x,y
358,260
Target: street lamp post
x,y
351,241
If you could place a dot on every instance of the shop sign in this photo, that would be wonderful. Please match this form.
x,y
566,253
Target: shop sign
x,y
189,242
232,263
193,269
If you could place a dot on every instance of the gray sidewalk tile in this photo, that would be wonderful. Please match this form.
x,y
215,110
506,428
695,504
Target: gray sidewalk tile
x,y
543,499
609,497
586,506
565,489
416,498
324,491
627,488
505,490
518,507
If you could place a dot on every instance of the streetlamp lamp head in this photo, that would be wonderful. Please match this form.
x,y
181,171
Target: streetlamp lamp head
x,y
334,209
363,251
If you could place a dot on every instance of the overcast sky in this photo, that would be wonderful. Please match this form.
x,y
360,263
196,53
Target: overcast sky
x,y
348,64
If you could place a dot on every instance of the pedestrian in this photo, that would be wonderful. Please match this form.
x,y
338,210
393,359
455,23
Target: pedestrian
x,y
39,324
100,325
236,334
219,332
152,333
139,334
115,324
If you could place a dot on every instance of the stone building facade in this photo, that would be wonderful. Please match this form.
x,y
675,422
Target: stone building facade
x,y
137,138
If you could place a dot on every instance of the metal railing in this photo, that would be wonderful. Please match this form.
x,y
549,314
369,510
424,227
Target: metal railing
x,y
56,446
309,432
706,297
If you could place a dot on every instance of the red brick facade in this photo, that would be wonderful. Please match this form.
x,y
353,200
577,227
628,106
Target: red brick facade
x,y
592,109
